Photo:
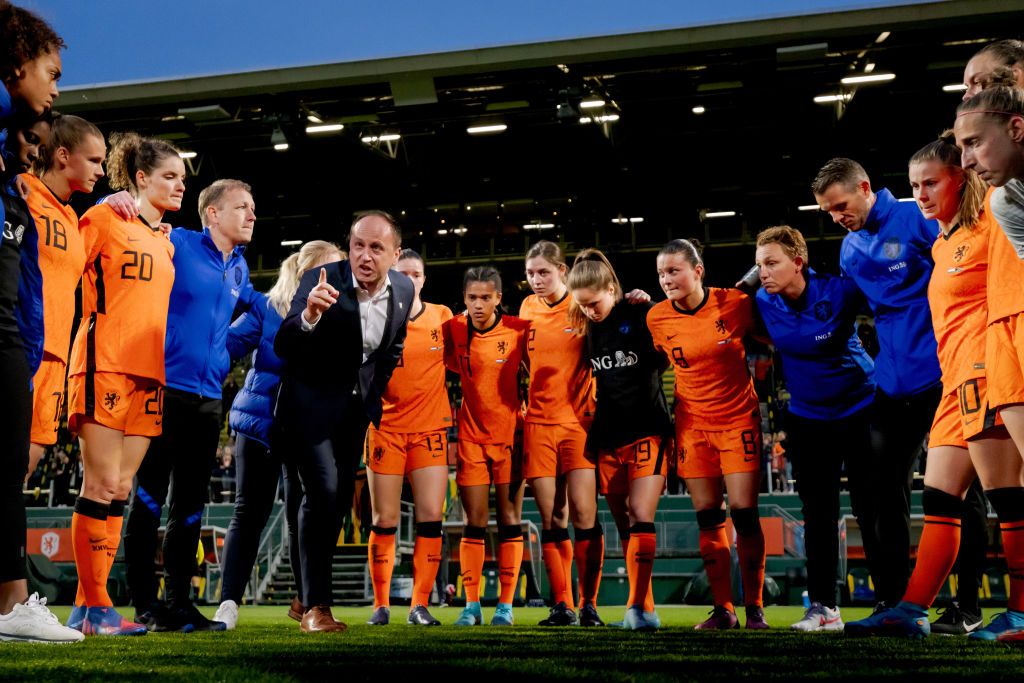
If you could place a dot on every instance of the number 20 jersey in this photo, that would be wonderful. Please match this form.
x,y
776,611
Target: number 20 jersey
x,y
61,261
125,292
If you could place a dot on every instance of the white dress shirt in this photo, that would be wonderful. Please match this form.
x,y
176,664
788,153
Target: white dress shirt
x,y
373,315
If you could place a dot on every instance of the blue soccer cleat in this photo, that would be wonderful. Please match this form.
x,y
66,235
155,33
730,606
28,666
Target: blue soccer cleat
x,y
76,617
1004,622
637,619
470,616
105,621
502,615
905,620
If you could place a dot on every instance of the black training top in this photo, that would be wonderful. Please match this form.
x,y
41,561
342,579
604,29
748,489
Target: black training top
x,y
16,221
630,402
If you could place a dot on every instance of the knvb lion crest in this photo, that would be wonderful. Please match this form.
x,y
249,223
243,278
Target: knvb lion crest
x,y
961,252
111,399
378,454
893,249
823,310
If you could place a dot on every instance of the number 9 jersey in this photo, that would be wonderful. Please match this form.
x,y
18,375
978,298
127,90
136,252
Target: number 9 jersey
x,y
125,293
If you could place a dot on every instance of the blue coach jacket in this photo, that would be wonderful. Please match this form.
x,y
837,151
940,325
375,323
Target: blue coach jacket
x,y
252,413
890,259
207,290
828,373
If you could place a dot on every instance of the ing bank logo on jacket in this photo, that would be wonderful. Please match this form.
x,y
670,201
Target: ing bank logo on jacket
x,y
621,359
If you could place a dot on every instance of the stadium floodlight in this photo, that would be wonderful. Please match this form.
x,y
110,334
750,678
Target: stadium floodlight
x,y
636,219
387,137
278,140
719,214
808,207
882,36
281,146
954,87
824,99
442,231
188,155
325,128
487,128
698,110
290,243
868,78
538,226
606,118
592,103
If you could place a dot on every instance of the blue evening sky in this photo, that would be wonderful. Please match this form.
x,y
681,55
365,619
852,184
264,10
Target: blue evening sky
x,y
131,40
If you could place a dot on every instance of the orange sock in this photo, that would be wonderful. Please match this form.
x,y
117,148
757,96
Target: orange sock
x,y
471,560
510,560
714,549
566,550
649,600
1009,506
750,549
550,544
939,545
115,522
426,558
589,554
381,552
640,556
89,541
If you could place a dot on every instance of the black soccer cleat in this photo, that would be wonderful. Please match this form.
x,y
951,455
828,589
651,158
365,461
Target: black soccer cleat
x,y
419,616
381,617
192,619
589,615
956,621
560,615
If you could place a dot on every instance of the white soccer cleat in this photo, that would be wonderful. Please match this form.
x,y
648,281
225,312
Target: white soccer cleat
x,y
227,613
33,622
820,618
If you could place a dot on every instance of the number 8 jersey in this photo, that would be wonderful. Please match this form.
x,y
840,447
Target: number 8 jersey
x,y
125,293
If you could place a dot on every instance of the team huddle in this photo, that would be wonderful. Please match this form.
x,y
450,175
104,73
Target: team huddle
x,y
350,366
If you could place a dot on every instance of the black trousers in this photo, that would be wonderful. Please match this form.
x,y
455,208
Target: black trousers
x,y
899,427
821,451
327,472
177,470
258,469
15,427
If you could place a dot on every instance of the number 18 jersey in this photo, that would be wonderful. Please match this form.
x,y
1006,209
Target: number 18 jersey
x,y
125,292
61,261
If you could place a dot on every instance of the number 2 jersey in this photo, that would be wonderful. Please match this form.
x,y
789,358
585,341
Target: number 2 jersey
x,y
61,260
416,399
487,362
630,402
125,292
714,390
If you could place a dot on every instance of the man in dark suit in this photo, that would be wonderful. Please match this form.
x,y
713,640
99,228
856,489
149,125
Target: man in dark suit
x,y
340,343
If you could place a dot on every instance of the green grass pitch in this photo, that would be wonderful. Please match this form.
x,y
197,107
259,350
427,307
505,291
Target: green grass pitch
x,y
267,646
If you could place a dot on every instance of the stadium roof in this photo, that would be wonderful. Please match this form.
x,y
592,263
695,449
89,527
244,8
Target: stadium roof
x,y
711,120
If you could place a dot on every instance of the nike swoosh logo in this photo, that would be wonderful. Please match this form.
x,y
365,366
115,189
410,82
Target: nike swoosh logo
x,y
670,337
47,206
133,239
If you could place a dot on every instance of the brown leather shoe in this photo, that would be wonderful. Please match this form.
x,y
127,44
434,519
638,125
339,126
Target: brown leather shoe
x,y
319,619
297,609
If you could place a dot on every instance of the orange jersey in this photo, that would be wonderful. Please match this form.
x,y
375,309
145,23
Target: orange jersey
x,y
125,293
714,390
1005,273
61,261
416,399
956,294
562,387
488,365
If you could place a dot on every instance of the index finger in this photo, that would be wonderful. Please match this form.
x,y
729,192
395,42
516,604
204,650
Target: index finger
x,y
323,275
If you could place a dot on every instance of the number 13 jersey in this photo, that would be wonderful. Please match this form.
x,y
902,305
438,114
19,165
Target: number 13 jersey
x,y
125,292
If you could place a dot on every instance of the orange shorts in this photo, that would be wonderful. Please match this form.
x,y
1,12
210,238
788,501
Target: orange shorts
x,y
395,453
48,399
643,458
702,453
129,404
550,450
963,415
1004,361
483,464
